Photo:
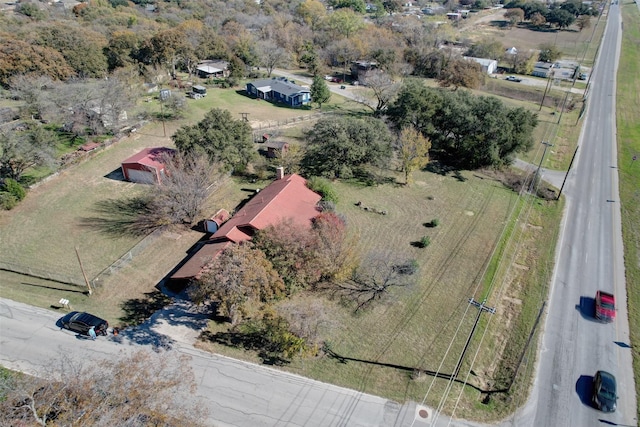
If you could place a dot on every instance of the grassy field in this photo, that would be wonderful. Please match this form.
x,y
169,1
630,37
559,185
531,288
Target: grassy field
x,y
42,232
628,106
40,235
572,42
389,345
490,244
260,112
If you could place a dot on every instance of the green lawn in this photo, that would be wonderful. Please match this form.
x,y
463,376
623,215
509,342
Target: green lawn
x,y
412,331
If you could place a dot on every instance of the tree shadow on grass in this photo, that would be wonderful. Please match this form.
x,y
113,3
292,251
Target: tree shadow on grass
x,y
122,217
138,310
439,168
500,24
251,342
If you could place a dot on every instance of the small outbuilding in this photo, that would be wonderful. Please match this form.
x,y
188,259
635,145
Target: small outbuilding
x,y
147,166
489,66
276,148
213,69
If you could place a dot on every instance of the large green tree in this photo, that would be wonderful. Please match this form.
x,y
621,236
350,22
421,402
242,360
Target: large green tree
x,y
219,136
344,23
81,47
415,106
465,130
560,17
355,5
549,52
338,147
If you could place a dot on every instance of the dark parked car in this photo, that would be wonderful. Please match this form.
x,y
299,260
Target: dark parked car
x,y
604,391
82,322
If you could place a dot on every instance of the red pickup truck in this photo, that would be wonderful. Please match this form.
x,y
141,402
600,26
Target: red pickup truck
x,y
605,306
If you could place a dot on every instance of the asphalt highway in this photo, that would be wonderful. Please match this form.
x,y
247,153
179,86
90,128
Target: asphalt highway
x,y
589,257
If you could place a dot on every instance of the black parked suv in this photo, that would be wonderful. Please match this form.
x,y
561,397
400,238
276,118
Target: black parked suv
x,y
82,322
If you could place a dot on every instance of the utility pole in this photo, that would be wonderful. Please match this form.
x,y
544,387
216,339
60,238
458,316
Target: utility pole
x,y
546,89
160,98
535,177
567,174
482,308
86,280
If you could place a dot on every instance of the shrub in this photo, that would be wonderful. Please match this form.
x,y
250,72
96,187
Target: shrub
x,y
327,206
433,223
14,188
424,242
7,201
323,187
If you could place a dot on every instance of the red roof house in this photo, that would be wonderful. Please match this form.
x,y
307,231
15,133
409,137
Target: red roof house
x,y
287,198
147,166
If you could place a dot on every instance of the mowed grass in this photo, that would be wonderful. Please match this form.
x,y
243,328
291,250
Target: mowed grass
x,y
412,330
260,113
42,232
573,44
628,131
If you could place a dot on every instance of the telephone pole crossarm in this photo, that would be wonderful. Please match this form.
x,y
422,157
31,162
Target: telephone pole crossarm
x,y
482,306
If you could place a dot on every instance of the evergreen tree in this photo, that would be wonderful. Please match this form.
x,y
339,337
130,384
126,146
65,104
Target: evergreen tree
x,y
320,92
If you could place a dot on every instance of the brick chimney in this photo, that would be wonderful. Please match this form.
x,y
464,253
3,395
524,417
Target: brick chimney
x,y
279,172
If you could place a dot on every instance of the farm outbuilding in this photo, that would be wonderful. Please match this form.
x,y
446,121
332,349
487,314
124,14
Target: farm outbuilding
x,y
276,148
147,166
489,66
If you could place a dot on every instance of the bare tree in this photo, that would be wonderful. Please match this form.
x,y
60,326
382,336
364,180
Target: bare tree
x,y
376,275
180,196
33,90
384,91
137,390
82,104
22,149
271,55
305,317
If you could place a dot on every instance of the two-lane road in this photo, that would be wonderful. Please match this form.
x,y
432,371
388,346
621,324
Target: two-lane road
x,y
236,393
590,257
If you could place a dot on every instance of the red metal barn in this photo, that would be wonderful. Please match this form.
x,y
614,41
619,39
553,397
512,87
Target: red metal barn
x,y
147,166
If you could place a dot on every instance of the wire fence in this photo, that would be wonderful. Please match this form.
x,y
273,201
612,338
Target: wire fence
x,y
43,274
270,124
126,258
